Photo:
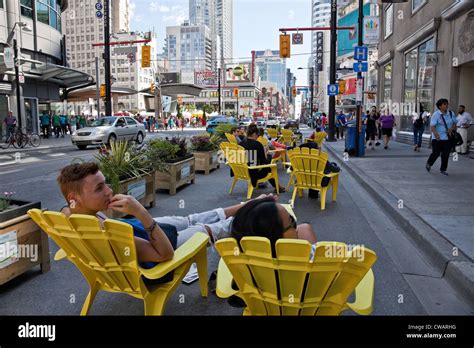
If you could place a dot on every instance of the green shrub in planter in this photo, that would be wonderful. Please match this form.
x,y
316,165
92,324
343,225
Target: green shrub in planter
x,y
222,129
204,142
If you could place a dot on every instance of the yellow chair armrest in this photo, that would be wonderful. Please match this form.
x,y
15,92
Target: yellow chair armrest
x,y
263,166
181,255
364,295
60,254
332,175
224,281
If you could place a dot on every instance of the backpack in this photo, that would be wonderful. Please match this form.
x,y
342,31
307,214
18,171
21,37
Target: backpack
x,y
419,121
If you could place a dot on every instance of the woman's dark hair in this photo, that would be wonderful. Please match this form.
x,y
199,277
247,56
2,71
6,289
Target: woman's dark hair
x,y
261,132
252,129
441,102
258,218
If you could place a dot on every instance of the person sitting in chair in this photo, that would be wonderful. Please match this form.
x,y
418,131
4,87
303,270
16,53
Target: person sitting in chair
x,y
257,157
85,189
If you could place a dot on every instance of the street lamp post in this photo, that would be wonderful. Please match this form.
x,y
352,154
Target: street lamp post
x,y
219,89
108,89
332,72
17,59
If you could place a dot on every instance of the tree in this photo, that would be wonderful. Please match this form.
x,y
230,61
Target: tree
x,y
206,109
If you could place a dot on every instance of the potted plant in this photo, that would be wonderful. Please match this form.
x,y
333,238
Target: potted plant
x,y
180,163
23,245
129,171
222,129
205,149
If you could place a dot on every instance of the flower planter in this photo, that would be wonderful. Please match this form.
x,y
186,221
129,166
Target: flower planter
x,y
206,161
180,172
143,189
23,245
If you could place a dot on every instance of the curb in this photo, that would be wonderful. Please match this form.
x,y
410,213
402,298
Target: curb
x,y
31,149
457,270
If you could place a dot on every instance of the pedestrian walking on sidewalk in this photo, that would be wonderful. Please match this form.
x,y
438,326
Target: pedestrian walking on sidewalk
x,y
371,130
419,121
56,125
45,124
340,124
464,121
10,123
387,122
72,124
442,125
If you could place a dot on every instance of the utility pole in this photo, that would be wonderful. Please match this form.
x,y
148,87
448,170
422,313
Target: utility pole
x,y
17,80
97,85
219,89
359,77
311,82
108,91
332,72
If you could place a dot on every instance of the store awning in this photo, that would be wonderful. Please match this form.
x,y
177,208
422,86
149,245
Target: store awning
x,y
85,93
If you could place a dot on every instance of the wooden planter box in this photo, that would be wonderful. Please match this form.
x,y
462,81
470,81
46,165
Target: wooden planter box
x,y
179,174
19,233
143,189
206,161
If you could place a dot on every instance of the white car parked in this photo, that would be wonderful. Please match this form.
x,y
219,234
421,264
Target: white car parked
x,y
108,129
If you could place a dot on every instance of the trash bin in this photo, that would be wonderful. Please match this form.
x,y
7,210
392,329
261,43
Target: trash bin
x,y
350,139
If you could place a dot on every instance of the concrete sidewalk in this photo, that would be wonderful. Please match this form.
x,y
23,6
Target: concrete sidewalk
x,y
435,211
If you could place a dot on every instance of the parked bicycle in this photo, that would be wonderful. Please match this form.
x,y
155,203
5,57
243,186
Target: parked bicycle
x,y
20,139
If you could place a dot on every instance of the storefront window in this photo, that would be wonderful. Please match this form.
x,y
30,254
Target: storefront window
x,y
387,82
419,73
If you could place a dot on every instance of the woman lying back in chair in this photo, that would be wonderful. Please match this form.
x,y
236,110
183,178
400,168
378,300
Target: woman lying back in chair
x,y
266,218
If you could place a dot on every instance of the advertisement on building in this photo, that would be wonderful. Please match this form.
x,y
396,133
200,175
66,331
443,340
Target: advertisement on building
x,y
238,72
187,77
208,79
347,39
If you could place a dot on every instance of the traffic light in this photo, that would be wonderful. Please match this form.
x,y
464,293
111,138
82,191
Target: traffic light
x,y
236,92
294,91
102,90
152,88
146,56
342,86
285,46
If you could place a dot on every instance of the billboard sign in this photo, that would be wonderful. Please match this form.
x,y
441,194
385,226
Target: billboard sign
x,y
371,30
347,39
206,79
187,77
238,72
169,78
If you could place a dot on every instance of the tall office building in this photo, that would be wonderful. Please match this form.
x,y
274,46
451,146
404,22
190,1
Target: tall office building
x,y
82,29
225,28
189,47
218,16
271,68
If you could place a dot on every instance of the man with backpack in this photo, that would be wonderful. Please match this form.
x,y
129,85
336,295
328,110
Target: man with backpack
x,y
419,121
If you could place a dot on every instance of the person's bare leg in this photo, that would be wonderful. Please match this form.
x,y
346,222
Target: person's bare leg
x,y
306,232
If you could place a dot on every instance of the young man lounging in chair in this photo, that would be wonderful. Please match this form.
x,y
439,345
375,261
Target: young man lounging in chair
x,y
86,192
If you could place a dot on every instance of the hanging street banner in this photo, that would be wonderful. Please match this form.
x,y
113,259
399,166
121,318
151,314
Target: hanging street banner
x,y
371,30
319,50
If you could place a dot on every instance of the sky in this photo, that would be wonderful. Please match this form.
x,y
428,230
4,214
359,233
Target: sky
x,y
256,24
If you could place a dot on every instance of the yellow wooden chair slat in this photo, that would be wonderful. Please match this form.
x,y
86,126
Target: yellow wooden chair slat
x,y
107,258
272,132
231,138
307,172
292,284
236,158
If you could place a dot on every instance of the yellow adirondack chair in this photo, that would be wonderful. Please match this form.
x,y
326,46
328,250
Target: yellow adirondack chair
x,y
319,137
236,158
276,286
107,258
307,170
231,138
287,137
263,141
272,132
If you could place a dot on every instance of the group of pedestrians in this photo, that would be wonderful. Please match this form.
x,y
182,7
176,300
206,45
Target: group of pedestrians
x,y
61,124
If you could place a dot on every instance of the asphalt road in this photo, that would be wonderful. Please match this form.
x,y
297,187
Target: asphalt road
x,y
405,282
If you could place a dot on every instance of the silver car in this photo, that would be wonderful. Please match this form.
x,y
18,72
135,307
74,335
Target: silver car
x,y
108,129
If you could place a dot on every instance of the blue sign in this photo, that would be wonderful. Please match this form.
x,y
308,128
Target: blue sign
x,y
333,90
361,53
360,67
98,6
98,14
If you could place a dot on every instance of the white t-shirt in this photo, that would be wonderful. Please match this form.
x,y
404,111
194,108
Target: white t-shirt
x,y
464,120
